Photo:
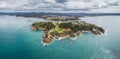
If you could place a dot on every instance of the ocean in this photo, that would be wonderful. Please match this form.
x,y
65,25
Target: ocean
x,y
18,41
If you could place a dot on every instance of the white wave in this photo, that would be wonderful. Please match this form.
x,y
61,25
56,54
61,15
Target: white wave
x,y
17,28
105,50
105,54
106,32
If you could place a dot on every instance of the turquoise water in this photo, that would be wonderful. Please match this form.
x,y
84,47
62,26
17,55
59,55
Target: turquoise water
x,y
18,41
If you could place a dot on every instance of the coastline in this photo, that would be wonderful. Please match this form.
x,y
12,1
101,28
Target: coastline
x,y
61,30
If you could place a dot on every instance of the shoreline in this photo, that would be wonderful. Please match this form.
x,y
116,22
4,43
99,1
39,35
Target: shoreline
x,y
62,38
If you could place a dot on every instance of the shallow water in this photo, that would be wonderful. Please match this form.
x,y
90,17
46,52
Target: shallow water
x,y
18,41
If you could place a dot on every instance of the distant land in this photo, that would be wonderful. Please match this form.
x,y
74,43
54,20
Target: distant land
x,y
38,14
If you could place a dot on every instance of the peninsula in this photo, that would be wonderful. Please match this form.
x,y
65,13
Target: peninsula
x,y
59,18
59,30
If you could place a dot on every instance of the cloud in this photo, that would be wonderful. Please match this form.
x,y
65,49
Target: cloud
x,y
61,1
59,5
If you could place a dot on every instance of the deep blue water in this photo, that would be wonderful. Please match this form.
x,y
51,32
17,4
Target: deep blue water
x,y
18,41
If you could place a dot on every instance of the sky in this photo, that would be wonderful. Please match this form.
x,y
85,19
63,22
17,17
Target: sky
x,y
68,6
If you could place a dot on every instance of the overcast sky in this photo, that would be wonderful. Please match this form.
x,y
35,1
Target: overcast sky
x,y
106,6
